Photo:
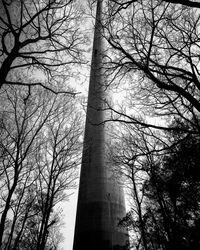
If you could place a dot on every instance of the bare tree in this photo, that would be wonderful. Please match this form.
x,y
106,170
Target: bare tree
x,y
126,3
16,143
39,42
154,51
40,151
155,47
161,183
132,154
57,163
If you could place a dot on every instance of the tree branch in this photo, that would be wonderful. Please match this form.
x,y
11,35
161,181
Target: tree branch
x,y
43,86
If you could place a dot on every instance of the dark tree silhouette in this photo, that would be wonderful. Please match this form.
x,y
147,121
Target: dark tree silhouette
x,y
164,187
154,45
126,3
39,41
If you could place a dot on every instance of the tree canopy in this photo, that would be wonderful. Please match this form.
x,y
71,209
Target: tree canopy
x,y
40,41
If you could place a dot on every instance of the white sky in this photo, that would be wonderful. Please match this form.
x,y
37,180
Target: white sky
x,y
69,212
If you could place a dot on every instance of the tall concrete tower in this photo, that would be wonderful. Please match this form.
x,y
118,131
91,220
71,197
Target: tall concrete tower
x,y
101,199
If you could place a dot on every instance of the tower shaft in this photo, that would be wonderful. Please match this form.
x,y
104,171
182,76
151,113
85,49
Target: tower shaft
x,y
100,200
